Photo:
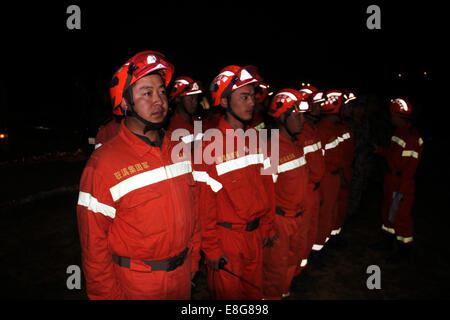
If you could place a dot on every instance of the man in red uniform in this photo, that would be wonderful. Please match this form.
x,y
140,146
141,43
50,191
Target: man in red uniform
x,y
347,145
281,259
138,222
312,149
332,180
107,131
262,93
403,156
184,95
237,200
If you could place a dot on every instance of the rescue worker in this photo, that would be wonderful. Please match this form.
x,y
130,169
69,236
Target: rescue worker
x,y
108,131
185,95
281,260
332,180
138,222
237,200
403,156
347,146
312,149
262,93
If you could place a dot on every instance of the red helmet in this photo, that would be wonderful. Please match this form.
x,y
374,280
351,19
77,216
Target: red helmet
x,y
228,80
262,89
135,68
184,86
400,107
348,96
287,100
333,103
312,93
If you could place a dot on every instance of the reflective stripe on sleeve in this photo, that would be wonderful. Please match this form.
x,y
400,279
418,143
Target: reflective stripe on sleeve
x,y
291,165
389,230
260,126
405,240
87,200
150,177
399,141
189,138
203,176
317,247
312,148
410,153
332,144
346,136
239,163
420,141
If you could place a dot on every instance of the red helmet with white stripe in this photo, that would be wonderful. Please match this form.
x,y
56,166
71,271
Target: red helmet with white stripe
x,y
400,107
135,68
333,103
262,90
229,79
184,86
288,100
312,93
348,96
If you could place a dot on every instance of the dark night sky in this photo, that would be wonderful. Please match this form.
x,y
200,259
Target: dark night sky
x,y
43,57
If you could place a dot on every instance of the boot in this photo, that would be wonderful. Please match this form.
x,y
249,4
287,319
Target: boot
x,y
385,244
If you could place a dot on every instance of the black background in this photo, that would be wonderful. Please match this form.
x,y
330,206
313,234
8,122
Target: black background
x,y
57,77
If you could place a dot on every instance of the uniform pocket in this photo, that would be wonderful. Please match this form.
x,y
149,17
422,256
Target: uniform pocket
x,y
144,211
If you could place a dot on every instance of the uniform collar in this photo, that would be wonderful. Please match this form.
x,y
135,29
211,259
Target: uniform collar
x,y
136,143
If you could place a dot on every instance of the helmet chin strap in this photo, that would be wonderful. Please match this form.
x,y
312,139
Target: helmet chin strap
x,y
284,124
245,123
148,126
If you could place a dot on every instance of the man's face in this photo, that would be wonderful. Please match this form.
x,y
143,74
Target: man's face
x,y
243,102
190,103
295,122
150,100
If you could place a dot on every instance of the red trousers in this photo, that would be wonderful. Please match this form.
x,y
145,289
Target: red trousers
x,y
311,220
342,205
402,225
245,254
329,190
281,260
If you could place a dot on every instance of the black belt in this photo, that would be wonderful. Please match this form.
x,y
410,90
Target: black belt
x,y
161,265
335,171
281,212
397,173
253,225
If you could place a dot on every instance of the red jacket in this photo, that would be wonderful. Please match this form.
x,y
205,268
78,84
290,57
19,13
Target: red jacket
x,y
292,177
233,190
346,141
106,132
312,149
403,156
330,139
177,122
134,202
